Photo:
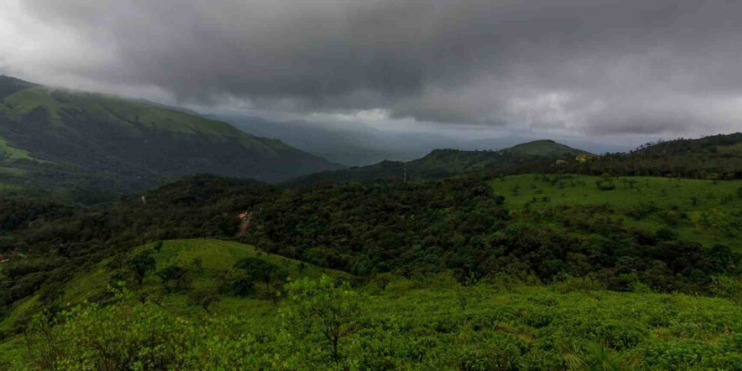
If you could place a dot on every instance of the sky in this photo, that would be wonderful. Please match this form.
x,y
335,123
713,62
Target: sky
x,y
604,69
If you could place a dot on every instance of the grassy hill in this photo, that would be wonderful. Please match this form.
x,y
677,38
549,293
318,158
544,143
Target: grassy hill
x,y
702,211
442,163
215,257
102,144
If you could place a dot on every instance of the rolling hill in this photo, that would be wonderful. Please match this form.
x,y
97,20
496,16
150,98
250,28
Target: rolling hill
x,y
442,163
214,257
100,145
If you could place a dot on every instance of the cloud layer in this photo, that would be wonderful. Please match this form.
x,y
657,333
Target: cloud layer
x,y
588,66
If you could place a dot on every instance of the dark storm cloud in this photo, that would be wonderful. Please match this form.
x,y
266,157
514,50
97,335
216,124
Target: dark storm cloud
x,y
594,66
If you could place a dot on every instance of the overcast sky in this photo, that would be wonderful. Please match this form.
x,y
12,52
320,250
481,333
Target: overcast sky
x,y
585,67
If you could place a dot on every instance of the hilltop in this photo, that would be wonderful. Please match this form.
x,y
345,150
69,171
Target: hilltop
x,y
206,261
98,144
442,163
544,148
712,157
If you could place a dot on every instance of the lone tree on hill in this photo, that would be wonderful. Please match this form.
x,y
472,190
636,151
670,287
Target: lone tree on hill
x,y
325,308
260,270
141,263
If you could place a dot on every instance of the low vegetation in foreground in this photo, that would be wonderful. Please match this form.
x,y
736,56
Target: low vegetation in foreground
x,y
395,323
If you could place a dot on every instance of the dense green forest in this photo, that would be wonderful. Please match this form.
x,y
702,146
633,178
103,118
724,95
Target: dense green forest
x,y
533,271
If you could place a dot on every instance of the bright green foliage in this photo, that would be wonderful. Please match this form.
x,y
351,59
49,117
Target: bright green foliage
x,y
701,211
599,357
520,328
115,337
324,307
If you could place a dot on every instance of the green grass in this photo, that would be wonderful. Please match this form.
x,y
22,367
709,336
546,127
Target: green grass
x,y
705,211
27,100
8,152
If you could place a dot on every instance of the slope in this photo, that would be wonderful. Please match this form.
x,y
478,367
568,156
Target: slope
x,y
206,260
116,145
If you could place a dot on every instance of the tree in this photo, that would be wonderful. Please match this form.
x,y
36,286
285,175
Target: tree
x,y
261,270
204,297
175,278
332,310
383,279
141,263
238,282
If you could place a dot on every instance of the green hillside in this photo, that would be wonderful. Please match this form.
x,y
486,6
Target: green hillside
x,y
523,272
442,163
96,146
702,211
206,260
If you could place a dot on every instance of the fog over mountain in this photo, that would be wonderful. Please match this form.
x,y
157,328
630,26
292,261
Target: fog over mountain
x,y
603,70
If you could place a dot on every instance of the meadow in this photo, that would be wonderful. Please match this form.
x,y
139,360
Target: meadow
x,y
704,211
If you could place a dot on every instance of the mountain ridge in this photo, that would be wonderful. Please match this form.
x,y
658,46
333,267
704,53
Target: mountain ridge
x,y
441,163
119,145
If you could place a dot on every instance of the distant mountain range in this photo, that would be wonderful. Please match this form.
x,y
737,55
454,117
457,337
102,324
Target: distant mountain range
x,y
443,163
99,146
358,144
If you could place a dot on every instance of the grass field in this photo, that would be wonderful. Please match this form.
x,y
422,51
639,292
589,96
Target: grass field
x,y
704,211
10,153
